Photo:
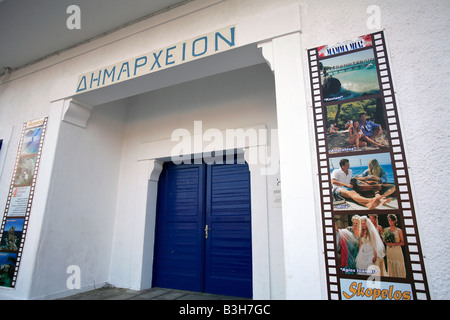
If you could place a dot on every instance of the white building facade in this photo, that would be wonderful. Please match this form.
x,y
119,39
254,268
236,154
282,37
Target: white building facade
x,y
233,77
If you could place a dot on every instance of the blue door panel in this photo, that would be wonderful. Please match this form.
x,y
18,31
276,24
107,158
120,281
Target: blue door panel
x,y
229,266
228,257
178,266
189,198
179,245
183,192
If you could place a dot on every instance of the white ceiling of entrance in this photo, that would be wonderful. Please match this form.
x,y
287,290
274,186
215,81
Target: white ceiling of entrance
x,y
33,29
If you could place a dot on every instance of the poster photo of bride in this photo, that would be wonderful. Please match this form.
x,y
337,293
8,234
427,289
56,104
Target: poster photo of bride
x,y
370,245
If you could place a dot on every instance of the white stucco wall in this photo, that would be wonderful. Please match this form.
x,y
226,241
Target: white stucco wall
x,y
415,35
80,213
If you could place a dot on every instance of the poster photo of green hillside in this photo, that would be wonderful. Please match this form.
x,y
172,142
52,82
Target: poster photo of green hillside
x,y
356,126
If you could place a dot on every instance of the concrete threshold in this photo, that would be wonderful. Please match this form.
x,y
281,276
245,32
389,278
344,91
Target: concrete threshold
x,y
113,293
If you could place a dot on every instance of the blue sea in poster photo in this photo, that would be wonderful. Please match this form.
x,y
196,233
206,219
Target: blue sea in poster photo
x,y
350,76
359,164
358,170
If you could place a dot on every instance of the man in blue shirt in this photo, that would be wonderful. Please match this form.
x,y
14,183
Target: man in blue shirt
x,y
370,129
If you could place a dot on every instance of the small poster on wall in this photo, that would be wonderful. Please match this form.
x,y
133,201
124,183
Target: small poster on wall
x,y
371,238
20,199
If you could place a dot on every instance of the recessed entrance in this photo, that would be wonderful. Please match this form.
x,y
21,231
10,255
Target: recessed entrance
x,y
203,229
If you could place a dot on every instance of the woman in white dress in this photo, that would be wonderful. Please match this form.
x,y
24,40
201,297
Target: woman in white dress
x,y
394,242
371,249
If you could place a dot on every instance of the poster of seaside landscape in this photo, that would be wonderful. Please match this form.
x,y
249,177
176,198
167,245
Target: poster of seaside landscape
x,y
7,268
349,76
371,241
19,201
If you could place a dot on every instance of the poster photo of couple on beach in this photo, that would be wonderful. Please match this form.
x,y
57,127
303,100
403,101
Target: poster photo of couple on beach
x,y
363,182
356,126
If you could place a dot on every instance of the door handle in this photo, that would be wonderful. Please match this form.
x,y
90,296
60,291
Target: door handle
x,y
206,231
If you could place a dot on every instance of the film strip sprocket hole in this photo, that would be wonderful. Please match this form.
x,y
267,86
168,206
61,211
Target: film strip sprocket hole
x,y
405,211
19,201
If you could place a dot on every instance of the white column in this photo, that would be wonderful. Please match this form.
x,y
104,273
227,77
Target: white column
x,y
30,259
260,228
300,223
144,224
150,222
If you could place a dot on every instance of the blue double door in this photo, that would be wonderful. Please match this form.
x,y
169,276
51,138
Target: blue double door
x,y
203,229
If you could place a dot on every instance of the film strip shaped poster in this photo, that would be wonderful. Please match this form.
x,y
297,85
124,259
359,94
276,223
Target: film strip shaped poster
x,y
20,198
372,247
